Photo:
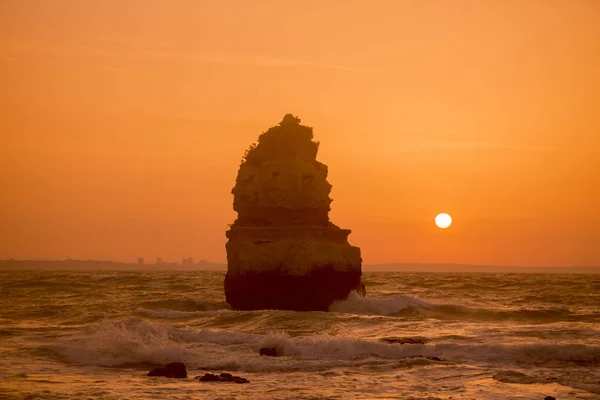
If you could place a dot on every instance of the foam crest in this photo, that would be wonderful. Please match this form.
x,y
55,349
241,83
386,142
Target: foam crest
x,y
355,304
325,346
135,341
118,342
409,306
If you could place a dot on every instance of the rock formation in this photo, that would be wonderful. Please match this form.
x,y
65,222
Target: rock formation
x,y
283,253
172,370
223,377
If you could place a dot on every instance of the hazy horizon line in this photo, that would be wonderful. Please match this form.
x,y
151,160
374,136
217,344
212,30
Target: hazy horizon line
x,y
365,265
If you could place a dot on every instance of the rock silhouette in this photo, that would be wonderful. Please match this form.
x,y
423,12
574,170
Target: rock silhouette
x,y
283,252
172,370
269,351
223,377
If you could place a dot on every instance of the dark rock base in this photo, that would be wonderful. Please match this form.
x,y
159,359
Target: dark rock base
x,y
269,290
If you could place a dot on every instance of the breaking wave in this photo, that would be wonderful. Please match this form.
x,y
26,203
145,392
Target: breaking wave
x,y
137,341
355,304
406,306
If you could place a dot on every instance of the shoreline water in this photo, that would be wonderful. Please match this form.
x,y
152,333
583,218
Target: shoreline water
x,y
96,334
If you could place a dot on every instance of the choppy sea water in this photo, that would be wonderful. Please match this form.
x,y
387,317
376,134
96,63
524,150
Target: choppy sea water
x,y
90,335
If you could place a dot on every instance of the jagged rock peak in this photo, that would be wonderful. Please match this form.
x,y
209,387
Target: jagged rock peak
x,y
287,139
290,119
280,182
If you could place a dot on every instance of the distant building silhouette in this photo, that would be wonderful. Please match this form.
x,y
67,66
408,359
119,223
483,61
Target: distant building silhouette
x,y
140,260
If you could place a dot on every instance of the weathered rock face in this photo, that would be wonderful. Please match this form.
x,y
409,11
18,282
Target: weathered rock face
x,y
283,253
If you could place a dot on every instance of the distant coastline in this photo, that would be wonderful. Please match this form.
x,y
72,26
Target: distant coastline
x,y
106,265
502,269
204,265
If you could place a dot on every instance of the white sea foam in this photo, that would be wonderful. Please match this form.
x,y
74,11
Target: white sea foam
x,y
356,304
119,342
131,340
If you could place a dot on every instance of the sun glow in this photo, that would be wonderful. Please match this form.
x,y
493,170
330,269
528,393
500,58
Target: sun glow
x,y
443,220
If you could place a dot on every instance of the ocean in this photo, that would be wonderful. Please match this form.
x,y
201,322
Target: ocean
x,y
95,335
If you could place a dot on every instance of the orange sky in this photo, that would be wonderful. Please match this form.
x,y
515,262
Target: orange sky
x,y
123,123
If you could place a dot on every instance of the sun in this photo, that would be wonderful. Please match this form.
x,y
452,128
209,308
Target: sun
x,y
443,220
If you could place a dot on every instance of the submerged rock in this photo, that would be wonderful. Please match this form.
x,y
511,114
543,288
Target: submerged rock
x,y
223,377
283,252
269,351
172,370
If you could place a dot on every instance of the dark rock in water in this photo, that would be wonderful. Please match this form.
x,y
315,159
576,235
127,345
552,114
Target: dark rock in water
x,y
269,351
316,290
408,340
223,377
209,378
549,398
283,252
172,370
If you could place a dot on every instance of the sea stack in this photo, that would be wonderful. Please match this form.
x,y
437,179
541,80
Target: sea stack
x,y
283,252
